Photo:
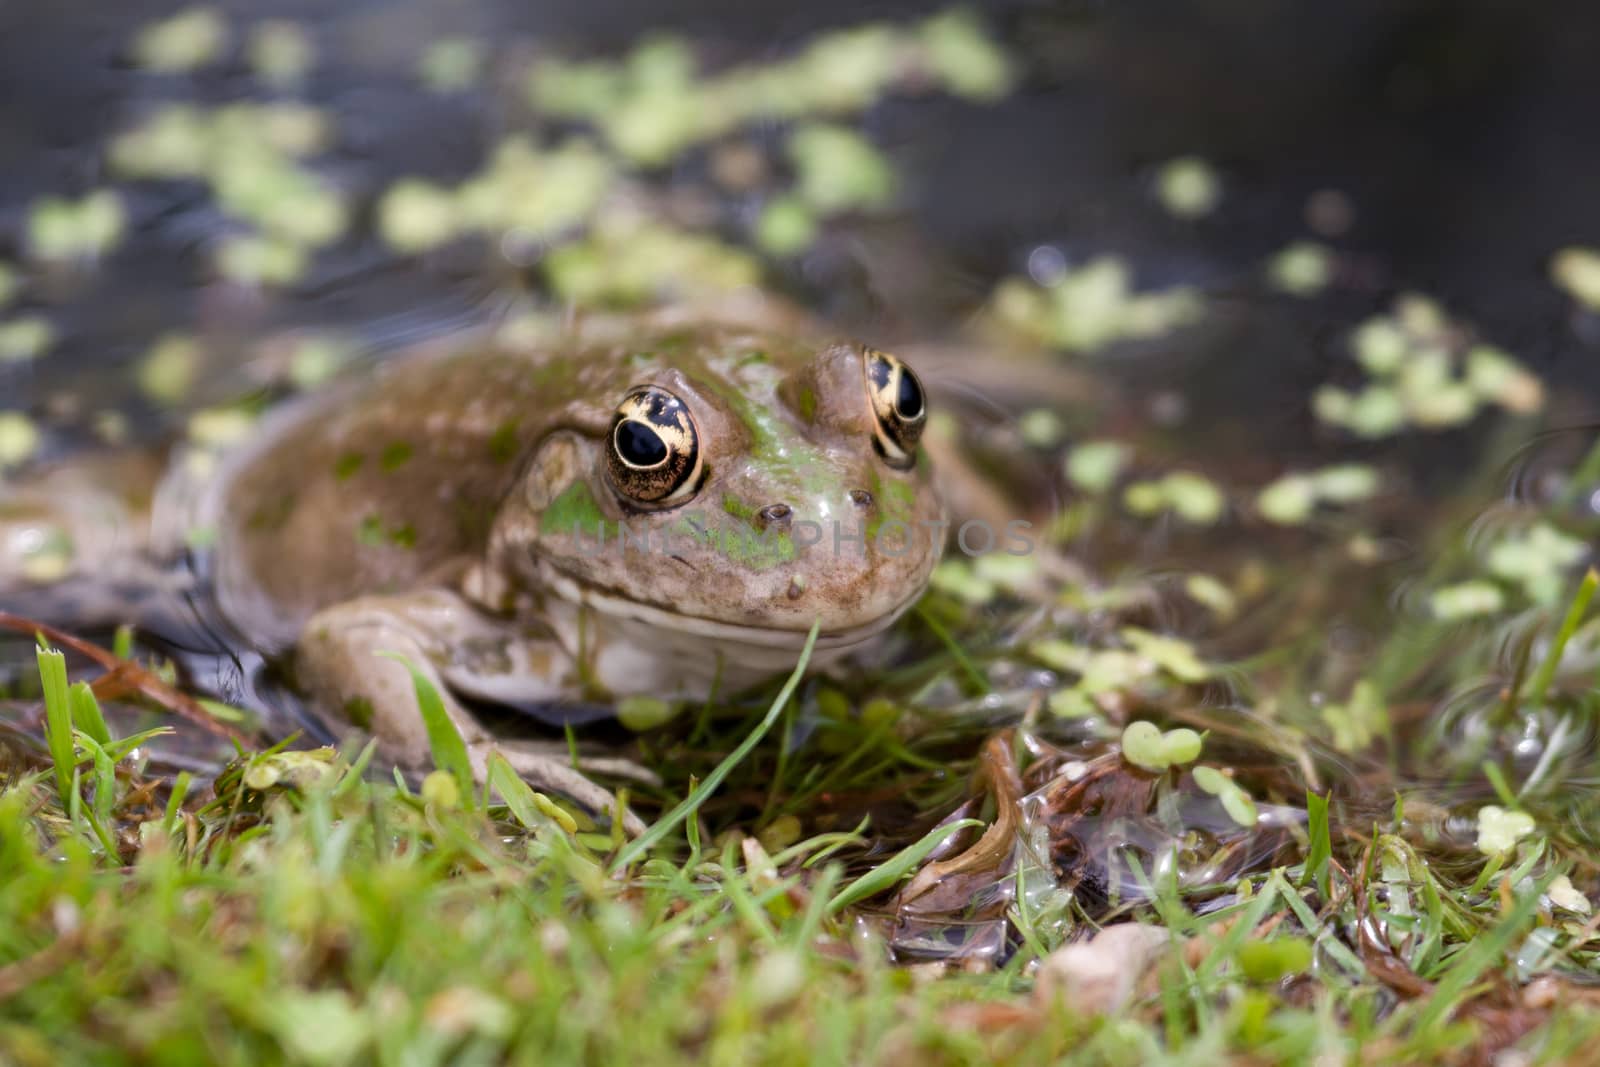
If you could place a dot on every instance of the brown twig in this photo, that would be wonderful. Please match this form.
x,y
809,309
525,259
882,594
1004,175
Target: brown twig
x,y
125,676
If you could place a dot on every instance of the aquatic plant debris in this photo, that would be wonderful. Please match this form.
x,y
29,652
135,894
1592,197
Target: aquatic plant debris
x,y
1189,187
1145,745
1424,371
1091,307
1499,829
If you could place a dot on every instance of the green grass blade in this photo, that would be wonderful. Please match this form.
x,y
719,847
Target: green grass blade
x,y
105,776
86,714
1320,849
444,740
118,750
901,864
180,791
691,803
57,717
533,810
957,653
1539,684
1481,953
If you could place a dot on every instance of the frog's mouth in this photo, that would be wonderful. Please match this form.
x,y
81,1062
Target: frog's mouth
x,y
830,642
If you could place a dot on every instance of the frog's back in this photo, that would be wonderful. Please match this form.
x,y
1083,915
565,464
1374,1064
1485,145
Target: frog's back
x,y
372,486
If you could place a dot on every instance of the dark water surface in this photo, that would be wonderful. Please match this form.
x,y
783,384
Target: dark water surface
x,y
1462,132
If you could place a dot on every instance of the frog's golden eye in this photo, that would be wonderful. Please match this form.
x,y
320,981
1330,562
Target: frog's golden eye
x,y
898,405
653,449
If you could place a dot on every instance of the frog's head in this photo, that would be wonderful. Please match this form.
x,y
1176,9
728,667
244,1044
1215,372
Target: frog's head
x,y
737,487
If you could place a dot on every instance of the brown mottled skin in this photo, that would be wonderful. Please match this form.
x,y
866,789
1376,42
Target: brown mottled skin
x,y
375,486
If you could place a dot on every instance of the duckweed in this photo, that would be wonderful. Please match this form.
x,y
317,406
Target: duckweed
x,y
1466,600
415,215
220,427
451,65
629,261
1499,830
168,370
1095,466
254,259
1234,800
83,230
19,438
639,713
1090,307
1423,371
838,170
785,227
1192,497
966,61
1173,655
1577,270
281,53
1189,187
24,338
1292,499
536,191
1305,268
1356,723
1210,591
194,37
1145,745
1564,894
653,104
1537,559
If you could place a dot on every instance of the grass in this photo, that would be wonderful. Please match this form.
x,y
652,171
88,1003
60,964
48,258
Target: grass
x,y
303,910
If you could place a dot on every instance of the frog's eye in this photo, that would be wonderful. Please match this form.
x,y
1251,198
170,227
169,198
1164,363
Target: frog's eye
x,y
898,405
653,450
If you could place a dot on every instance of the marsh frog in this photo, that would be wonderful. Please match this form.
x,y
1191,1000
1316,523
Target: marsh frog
x,y
661,509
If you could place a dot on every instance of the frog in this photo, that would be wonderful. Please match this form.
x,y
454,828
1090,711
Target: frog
x,y
652,509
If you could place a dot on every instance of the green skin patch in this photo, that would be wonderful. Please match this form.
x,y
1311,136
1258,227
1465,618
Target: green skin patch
x,y
757,551
373,533
360,712
774,447
738,508
744,545
897,503
347,465
503,442
395,456
748,545
272,516
573,511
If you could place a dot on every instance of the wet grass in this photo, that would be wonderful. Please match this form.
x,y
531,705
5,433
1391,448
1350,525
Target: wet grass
x,y
873,868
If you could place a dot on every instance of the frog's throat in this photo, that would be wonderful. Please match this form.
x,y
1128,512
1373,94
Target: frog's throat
x,y
714,630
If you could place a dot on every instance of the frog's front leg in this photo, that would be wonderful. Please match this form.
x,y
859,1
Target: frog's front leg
x,y
345,660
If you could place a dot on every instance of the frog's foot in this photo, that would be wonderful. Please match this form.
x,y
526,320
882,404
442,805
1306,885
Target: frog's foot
x,y
353,658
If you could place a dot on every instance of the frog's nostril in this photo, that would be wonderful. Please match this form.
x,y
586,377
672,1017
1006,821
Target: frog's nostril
x,y
861,498
775,515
